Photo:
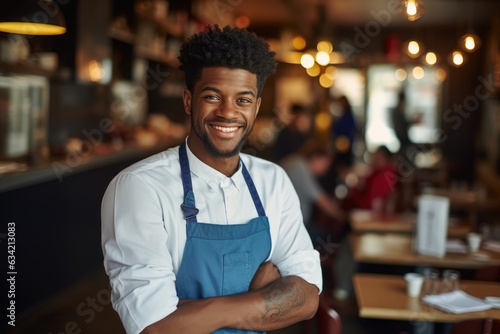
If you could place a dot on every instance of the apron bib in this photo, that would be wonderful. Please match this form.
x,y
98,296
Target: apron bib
x,y
220,260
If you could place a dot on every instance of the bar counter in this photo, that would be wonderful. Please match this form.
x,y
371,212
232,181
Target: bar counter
x,y
62,167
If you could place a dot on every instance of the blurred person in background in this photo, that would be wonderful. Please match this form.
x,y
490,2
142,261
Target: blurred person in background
x,y
401,126
343,132
295,133
374,190
304,168
373,193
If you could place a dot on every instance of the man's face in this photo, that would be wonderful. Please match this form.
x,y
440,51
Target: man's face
x,y
223,108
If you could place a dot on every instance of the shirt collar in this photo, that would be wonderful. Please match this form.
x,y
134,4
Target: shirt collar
x,y
212,177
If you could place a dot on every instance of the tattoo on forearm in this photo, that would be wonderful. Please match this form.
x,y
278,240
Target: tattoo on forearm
x,y
281,297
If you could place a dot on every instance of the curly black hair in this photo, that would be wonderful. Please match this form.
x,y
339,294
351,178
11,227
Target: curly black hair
x,y
227,47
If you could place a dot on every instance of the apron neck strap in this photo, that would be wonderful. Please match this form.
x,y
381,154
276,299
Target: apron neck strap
x,y
188,206
253,190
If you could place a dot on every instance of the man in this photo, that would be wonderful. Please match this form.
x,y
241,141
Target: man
x,y
375,190
201,238
312,161
294,134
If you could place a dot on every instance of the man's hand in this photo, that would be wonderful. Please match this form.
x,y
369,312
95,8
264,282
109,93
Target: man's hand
x,y
266,274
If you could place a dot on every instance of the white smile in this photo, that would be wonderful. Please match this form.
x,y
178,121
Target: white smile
x,y
226,129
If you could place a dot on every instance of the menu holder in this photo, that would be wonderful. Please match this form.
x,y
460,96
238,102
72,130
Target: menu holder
x,y
432,225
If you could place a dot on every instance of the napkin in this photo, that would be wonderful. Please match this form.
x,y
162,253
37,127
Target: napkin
x,y
492,245
455,246
456,302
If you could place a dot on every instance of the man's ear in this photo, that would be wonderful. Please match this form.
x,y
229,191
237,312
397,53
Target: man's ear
x,y
186,99
259,100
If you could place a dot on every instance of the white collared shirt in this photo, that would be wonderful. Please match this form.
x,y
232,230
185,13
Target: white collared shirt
x,y
144,233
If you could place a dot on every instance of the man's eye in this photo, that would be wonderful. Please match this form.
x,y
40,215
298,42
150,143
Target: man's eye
x,y
211,97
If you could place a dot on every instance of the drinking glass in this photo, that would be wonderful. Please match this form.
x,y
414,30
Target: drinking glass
x,y
450,280
431,281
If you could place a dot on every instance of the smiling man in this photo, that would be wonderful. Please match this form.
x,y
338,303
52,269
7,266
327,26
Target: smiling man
x,y
201,238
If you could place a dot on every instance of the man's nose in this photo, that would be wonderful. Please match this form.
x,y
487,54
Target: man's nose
x,y
227,109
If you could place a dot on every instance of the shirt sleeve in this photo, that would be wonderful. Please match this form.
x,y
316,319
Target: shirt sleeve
x,y
293,252
136,258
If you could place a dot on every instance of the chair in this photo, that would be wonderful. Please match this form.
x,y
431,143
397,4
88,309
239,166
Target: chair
x,y
489,273
476,326
327,319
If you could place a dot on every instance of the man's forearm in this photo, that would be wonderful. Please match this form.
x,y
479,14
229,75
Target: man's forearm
x,y
281,303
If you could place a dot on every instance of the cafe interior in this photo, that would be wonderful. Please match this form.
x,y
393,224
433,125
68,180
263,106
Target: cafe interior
x,y
90,87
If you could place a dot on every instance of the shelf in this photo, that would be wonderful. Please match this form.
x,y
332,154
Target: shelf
x,y
160,57
141,51
25,69
121,35
165,25
59,169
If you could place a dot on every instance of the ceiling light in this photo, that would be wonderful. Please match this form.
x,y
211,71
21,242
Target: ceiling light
x,y
440,74
430,58
41,17
332,70
307,61
322,58
413,49
314,70
457,58
418,72
298,43
326,80
469,42
411,10
325,46
242,21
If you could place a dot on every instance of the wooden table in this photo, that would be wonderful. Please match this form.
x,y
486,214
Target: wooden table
x,y
397,249
384,297
363,221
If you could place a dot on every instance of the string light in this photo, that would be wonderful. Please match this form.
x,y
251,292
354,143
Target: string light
x,y
469,42
430,58
307,60
457,58
411,10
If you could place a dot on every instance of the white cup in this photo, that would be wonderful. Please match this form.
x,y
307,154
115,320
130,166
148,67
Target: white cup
x,y
413,284
474,241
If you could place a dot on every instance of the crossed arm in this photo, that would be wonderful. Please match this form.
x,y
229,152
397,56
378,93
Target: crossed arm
x,y
273,302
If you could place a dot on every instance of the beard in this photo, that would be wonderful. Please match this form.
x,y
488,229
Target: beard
x,y
216,151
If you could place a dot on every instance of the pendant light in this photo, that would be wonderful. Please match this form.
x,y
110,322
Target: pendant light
x,y
469,42
32,17
411,10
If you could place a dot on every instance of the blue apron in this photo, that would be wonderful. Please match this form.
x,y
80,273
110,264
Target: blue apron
x,y
220,260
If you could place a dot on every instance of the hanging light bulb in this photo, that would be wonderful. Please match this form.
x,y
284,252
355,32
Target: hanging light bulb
x,y
430,58
325,46
469,42
418,72
413,49
307,60
411,10
457,58
326,80
298,42
322,58
314,70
